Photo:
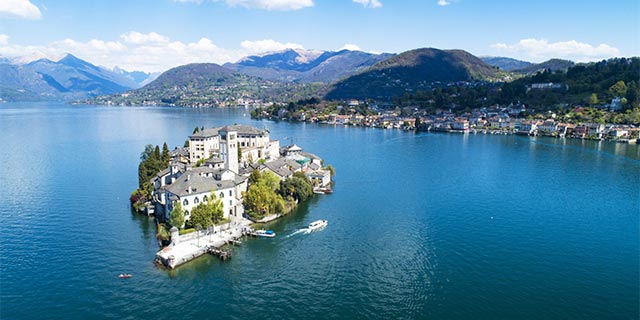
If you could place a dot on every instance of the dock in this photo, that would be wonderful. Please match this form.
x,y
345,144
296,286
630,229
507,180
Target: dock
x,y
193,245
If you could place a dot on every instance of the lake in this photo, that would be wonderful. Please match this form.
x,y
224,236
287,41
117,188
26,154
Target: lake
x,y
421,226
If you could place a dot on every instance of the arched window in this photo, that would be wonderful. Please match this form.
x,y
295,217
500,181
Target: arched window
x,y
186,214
205,199
185,202
196,200
221,195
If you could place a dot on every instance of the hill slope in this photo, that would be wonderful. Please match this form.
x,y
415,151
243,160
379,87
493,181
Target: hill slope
x,y
413,70
208,84
553,64
506,64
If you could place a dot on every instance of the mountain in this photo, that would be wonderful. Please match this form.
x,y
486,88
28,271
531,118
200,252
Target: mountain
x,y
506,64
553,64
69,78
296,65
141,78
208,84
414,70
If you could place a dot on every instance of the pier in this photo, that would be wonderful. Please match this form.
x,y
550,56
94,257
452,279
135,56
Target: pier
x,y
193,245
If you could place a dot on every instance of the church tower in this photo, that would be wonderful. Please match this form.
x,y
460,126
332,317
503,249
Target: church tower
x,y
229,148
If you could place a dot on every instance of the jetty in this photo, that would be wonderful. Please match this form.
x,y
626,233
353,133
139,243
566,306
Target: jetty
x,y
184,248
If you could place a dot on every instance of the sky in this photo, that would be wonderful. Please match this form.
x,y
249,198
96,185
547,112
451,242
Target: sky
x,y
155,35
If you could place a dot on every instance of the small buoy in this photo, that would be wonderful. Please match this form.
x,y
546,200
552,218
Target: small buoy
x,y
491,218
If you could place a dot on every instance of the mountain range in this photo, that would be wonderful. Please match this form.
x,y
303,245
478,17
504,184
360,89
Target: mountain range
x,y
296,65
68,78
274,76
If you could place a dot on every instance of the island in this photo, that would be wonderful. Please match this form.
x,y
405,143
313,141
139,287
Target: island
x,y
220,183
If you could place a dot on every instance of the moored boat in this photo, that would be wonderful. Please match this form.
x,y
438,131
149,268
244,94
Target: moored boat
x,y
264,233
326,190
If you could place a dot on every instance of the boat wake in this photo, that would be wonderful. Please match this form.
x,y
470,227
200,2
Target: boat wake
x,y
299,231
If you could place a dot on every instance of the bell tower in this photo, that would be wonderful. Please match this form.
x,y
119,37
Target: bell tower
x,y
229,148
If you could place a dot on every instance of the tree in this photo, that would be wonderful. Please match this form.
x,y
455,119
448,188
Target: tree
x,y
216,207
142,174
255,176
201,216
270,180
262,198
593,99
618,89
156,154
297,186
176,216
147,153
166,156
331,169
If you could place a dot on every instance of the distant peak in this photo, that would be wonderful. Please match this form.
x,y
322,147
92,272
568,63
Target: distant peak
x,y
69,57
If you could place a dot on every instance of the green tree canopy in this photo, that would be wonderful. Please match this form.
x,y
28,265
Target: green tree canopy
x,y
262,198
331,169
618,89
166,155
298,187
176,216
147,153
216,207
201,217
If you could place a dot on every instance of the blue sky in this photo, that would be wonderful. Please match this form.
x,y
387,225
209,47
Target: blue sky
x,y
156,35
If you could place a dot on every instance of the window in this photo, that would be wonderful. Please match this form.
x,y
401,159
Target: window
x,y
196,200
230,202
221,195
185,202
230,193
205,199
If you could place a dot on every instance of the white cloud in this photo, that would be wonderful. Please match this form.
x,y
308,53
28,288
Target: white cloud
x,y
151,52
135,37
369,3
20,8
267,45
444,3
271,5
350,47
541,50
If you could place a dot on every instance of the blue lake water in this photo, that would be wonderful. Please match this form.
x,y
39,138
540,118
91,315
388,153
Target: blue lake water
x,y
429,226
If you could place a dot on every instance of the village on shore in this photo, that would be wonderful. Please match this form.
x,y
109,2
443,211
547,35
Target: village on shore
x,y
216,170
491,120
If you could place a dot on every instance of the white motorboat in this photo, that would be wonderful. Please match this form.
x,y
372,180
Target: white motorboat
x,y
264,233
317,225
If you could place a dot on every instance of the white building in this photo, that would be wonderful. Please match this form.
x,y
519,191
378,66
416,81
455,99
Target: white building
x,y
253,143
197,185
